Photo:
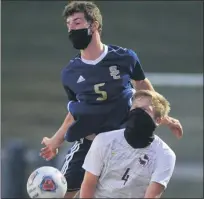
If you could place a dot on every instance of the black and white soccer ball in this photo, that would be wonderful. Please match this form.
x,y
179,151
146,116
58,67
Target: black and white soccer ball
x,y
46,182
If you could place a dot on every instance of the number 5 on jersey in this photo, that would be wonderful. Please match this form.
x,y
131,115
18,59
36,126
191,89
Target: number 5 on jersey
x,y
115,73
103,94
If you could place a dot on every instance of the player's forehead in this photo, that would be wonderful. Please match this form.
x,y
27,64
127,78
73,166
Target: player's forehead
x,y
77,16
144,102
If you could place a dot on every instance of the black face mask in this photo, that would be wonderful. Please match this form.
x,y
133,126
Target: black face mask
x,y
139,129
80,38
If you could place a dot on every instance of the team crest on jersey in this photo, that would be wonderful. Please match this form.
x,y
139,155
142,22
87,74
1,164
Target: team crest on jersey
x,y
48,184
144,160
114,72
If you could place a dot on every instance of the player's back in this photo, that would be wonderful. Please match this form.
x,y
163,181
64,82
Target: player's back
x,y
127,172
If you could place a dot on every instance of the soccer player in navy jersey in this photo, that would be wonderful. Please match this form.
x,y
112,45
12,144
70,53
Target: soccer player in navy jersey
x,y
98,84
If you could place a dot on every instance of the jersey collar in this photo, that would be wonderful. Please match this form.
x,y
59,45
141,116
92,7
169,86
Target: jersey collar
x,y
96,61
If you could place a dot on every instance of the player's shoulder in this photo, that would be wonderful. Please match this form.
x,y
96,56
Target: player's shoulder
x,y
121,51
163,149
117,49
107,138
73,62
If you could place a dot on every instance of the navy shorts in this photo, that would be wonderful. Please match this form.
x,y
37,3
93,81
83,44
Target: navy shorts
x,y
72,165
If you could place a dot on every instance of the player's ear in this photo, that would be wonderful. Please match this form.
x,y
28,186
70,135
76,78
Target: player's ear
x,y
158,121
95,26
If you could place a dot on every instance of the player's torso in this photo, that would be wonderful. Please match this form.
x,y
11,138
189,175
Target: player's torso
x,y
127,172
99,83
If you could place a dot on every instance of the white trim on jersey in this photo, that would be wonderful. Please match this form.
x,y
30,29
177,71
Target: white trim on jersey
x,y
69,105
69,156
96,61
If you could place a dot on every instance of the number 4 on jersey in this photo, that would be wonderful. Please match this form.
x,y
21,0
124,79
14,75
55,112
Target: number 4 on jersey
x,y
126,176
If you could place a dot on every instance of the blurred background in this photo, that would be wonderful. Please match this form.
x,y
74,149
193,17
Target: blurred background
x,y
168,38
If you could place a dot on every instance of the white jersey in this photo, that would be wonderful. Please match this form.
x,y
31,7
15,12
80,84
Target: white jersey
x,y
126,172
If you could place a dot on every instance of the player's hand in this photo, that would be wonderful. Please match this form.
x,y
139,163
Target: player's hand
x,y
174,125
50,150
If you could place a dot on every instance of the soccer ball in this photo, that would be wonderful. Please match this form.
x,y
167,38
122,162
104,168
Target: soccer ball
x,y
46,182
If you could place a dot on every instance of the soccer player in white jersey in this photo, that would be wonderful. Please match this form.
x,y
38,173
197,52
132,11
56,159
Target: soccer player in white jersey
x,y
131,162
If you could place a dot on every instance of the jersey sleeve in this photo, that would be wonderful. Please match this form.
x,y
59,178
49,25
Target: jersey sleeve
x,y
93,162
136,70
70,94
66,84
164,167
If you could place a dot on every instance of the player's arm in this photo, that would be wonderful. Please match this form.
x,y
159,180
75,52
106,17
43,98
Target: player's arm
x,y
164,168
52,144
174,125
93,165
58,137
139,81
88,186
154,190
144,84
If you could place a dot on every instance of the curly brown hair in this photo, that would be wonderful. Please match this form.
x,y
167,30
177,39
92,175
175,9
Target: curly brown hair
x,y
90,10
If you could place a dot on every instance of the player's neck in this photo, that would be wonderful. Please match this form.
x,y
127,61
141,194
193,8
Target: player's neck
x,y
94,49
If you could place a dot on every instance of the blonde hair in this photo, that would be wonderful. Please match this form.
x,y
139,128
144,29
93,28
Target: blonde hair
x,y
160,104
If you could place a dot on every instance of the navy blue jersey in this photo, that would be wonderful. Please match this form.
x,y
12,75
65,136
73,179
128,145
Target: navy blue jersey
x,y
100,89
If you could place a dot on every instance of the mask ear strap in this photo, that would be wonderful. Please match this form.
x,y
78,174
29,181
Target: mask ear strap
x,y
90,32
